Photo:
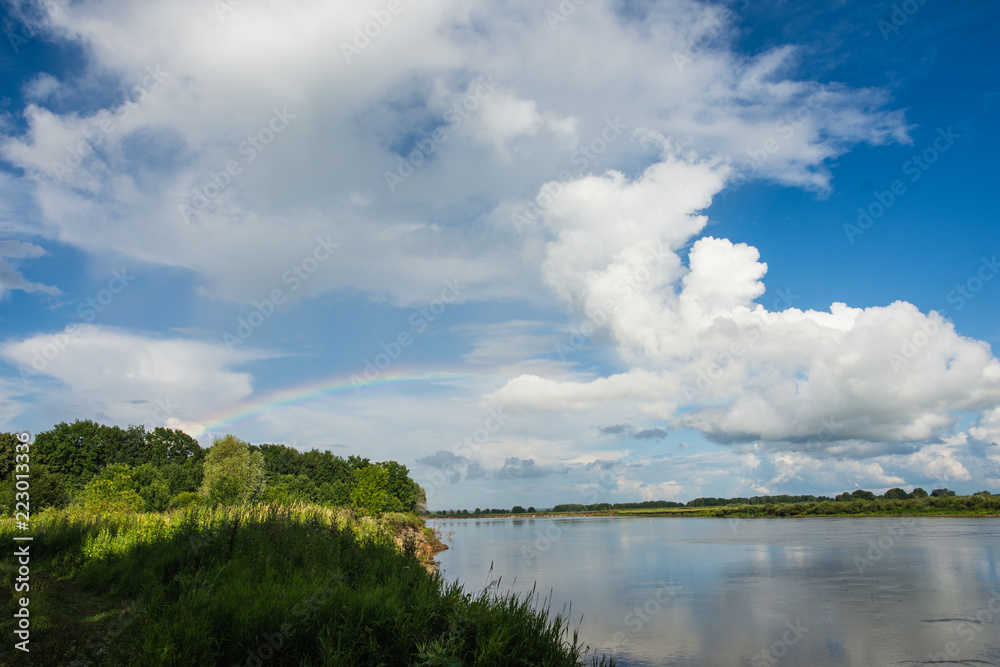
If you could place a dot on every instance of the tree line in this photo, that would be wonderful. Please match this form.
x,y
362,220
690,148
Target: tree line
x,y
859,494
103,468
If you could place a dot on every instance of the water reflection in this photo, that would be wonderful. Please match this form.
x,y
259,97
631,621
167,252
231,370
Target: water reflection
x,y
817,591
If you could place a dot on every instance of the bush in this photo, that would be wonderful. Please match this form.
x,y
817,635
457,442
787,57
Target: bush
x,y
186,499
152,487
113,490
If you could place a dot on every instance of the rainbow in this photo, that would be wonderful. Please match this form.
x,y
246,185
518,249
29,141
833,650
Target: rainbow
x,y
316,390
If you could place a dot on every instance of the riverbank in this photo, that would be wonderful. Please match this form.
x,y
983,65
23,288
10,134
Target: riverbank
x,y
982,506
258,584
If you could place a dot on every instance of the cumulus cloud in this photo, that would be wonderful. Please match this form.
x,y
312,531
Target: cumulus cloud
x,y
695,337
105,373
282,138
229,148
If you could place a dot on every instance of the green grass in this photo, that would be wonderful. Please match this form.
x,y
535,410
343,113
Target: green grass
x,y
261,585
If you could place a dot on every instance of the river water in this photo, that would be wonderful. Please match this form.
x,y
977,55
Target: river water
x,y
807,591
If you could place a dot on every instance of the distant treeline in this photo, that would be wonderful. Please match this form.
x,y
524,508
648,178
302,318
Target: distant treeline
x,y
859,494
600,507
109,467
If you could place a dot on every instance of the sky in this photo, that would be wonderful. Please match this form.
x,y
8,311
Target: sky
x,y
538,252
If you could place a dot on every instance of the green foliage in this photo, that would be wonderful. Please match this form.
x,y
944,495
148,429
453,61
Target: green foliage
x,y
8,449
232,473
896,494
337,494
153,488
75,451
918,493
291,489
211,586
69,456
112,490
570,507
517,509
46,490
186,476
370,493
80,450
940,493
166,445
186,499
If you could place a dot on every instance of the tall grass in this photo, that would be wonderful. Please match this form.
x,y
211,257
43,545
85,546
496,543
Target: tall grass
x,y
262,585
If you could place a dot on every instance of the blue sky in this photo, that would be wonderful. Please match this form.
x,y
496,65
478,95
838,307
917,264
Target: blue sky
x,y
550,220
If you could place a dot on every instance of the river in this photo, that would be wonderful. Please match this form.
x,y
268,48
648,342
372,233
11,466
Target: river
x,y
806,591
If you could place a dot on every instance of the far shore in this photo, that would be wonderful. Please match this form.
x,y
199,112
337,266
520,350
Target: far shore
x,y
700,515
903,508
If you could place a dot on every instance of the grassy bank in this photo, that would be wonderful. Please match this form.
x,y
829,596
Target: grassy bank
x,y
259,585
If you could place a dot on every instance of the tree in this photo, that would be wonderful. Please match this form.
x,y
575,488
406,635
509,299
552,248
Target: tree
x,y
421,499
918,493
896,494
517,509
477,511
112,490
861,494
8,450
369,493
46,488
942,493
336,493
357,463
401,489
74,451
184,477
290,489
531,509
151,487
983,493
166,445
233,473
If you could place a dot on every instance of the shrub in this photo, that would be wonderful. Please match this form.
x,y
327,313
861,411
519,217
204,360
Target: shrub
x,y
186,499
113,490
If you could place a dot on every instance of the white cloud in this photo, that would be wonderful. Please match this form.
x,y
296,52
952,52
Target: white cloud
x,y
11,278
694,336
618,246
987,428
220,81
106,373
